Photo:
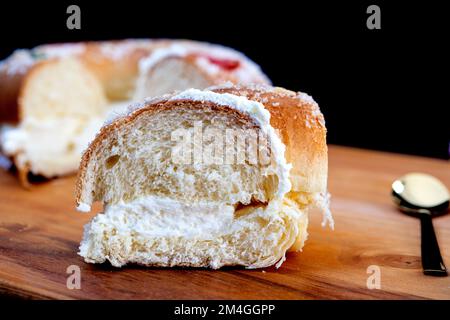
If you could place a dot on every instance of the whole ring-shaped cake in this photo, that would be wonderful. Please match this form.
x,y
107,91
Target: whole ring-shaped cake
x,y
54,98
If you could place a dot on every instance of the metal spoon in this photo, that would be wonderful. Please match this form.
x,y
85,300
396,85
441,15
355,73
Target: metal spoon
x,y
424,196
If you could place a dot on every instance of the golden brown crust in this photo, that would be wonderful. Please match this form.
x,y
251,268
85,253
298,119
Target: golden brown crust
x,y
11,90
301,126
10,85
117,74
298,121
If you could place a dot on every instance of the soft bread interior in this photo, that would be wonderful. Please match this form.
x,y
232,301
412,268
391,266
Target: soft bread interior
x,y
62,106
165,213
139,159
60,88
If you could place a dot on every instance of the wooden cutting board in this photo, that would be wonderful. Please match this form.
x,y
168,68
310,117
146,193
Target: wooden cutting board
x,y
40,231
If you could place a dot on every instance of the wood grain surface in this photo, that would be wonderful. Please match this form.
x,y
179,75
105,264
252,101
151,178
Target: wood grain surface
x,y
40,232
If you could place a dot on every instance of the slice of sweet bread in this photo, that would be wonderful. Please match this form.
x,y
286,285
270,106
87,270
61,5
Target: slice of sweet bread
x,y
205,178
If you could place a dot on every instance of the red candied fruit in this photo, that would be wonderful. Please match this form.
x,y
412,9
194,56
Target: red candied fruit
x,y
225,64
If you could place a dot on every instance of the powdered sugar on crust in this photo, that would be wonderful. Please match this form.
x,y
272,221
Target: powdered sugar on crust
x,y
114,50
119,110
152,100
266,93
117,50
174,50
60,50
224,85
315,116
126,110
258,90
304,97
19,62
247,71
242,104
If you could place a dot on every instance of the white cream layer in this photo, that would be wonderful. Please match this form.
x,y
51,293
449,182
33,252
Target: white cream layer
x,y
164,217
122,229
53,147
50,147
155,216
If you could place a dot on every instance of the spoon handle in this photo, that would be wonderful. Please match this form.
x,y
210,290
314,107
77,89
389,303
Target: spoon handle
x,y
432,262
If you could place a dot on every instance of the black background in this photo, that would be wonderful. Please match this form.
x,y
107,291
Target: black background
x,y
381,89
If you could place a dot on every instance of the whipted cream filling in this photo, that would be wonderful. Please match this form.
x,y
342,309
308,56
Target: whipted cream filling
x,y
53,146
49,147
165,217
165,232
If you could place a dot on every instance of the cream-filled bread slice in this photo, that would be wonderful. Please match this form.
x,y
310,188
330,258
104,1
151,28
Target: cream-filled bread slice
x,y
205,178
62,107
